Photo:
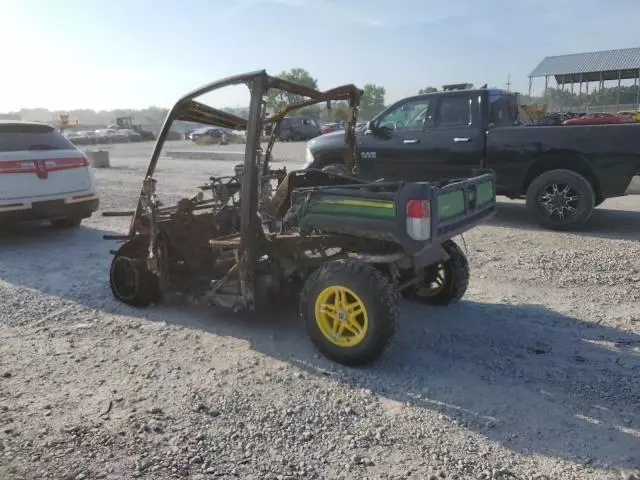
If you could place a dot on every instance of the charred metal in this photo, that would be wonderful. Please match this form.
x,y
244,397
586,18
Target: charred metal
x,y
241,240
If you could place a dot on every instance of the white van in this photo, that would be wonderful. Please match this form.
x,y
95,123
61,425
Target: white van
x,y
43,176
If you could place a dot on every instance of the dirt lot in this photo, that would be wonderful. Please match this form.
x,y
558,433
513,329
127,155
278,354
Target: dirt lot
x,y
535,375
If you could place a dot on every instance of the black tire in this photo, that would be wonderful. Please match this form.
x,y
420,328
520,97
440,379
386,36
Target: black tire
x,y
66,222
560,191
445,282
379,303
337,169
143,289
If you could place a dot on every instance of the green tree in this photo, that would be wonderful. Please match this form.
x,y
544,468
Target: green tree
x,y
277,98
337,112
422,91
314,111
372,101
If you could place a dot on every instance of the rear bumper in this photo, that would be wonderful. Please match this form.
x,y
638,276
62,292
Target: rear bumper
x,y
47,210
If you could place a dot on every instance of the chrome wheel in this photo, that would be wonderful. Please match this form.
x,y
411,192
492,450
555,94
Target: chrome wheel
x,y
559,200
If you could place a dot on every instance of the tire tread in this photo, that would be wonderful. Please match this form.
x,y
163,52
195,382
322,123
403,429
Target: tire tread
x,y
388,297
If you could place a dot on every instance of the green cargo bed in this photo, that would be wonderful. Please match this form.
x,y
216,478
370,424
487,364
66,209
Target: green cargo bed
x,y
379,210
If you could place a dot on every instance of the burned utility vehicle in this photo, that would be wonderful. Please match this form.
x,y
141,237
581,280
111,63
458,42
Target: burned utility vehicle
x,y
349,248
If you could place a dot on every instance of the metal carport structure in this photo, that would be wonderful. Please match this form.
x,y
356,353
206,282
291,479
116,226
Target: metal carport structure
x,y
602,66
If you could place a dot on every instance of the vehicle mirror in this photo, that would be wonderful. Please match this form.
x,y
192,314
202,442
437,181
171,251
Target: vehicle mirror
x,y
369,129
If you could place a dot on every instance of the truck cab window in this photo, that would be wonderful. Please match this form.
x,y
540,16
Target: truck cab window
x,y
407,116
454,111
503,109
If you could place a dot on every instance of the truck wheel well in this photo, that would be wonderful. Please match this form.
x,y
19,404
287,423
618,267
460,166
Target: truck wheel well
x,y
575,165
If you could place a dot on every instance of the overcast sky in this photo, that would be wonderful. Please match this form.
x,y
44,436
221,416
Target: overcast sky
x,y
70,54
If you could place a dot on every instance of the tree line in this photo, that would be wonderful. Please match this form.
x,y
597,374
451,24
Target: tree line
x,y
371,103
554,97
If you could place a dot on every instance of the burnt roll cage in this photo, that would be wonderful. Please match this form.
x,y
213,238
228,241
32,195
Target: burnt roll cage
x,y
189,109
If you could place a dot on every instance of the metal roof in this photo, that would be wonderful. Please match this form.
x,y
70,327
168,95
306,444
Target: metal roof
x,y
591,66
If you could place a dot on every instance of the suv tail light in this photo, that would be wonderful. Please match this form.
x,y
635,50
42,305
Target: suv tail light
x,y
419,219
48,164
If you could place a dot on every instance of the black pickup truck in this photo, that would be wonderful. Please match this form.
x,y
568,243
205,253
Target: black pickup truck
x,y
562,171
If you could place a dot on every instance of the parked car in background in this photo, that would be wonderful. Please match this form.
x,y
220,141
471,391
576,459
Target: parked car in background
x,y
90,136
106,133
598,118
43,176
630,115
296,128
209,135
299,128
128,135
331,127
70,135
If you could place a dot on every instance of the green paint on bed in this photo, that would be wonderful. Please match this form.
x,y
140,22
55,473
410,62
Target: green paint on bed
x,y
451,204
353,207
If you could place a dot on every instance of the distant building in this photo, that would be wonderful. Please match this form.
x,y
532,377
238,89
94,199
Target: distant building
x,y
592,67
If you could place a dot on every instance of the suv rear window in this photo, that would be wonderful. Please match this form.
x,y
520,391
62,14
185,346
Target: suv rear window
x,y
16,137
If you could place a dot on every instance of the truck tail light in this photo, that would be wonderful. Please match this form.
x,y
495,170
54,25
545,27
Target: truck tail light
x,y
419,219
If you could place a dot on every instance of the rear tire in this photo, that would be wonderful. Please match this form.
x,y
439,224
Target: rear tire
x,y
130,280
350,311
560,199
66,222
445,282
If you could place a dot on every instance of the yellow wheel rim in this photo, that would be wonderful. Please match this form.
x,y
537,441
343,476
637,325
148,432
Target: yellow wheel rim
x,y
341,316
436,285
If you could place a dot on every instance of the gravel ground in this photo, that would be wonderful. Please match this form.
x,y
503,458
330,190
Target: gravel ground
x,y
534,375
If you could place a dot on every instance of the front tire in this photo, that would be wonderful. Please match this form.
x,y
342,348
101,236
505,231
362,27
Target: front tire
x,y
445,282
560,199
350,311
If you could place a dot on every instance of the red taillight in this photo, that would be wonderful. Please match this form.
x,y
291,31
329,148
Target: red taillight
x,y
419,219
65,163
418,209
17,166
44,164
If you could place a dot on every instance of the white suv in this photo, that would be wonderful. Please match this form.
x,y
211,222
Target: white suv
x,y
43,176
